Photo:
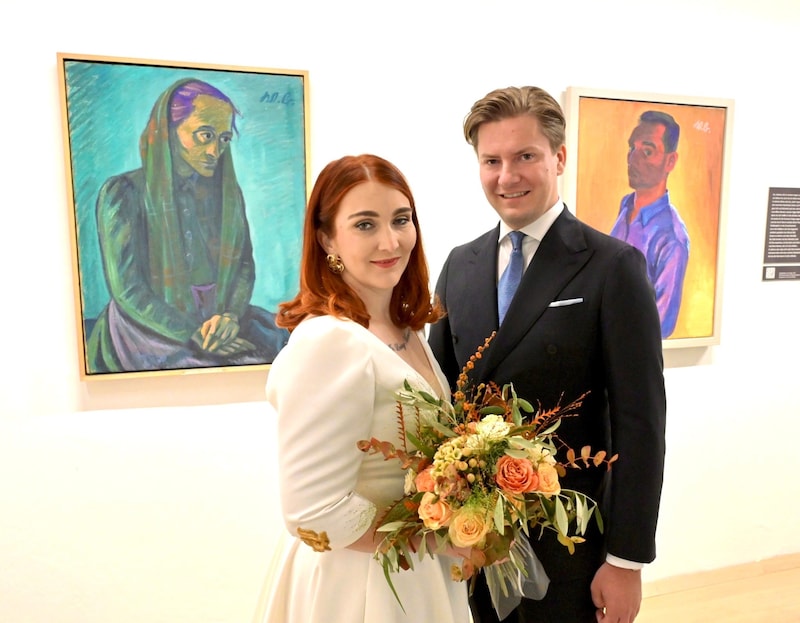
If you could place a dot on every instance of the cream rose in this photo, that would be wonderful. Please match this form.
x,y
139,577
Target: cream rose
x,y
548,479
434,512
516,475
468,527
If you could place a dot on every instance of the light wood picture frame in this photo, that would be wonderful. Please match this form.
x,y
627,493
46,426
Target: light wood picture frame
x,y
599,189
186,186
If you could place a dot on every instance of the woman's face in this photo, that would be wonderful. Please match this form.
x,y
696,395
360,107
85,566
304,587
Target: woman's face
x,y
204,136
374,235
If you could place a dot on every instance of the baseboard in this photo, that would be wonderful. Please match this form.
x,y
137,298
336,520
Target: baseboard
x,y
719,576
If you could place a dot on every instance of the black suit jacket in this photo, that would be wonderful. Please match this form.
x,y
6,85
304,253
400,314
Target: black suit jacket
x,y
584,319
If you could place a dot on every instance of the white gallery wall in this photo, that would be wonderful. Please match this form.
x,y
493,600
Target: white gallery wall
x,y
149,499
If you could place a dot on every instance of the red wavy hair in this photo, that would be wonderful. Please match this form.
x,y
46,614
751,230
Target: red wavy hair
x,y
324,293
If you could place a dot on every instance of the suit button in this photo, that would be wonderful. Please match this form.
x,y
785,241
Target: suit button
x,y
552,349
455,339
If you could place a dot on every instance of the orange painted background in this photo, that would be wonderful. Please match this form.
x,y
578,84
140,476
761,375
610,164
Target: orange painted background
x,y
695,187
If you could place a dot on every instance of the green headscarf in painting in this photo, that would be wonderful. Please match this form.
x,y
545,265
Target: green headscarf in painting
x,y
170,275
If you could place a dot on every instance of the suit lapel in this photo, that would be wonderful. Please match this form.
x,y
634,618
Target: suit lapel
x,y
560,256
481,269
473,293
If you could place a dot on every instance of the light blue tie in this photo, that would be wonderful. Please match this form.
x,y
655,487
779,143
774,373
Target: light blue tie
x,y
511,276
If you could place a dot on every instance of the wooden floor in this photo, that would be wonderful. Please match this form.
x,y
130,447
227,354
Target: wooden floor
x,y
767,591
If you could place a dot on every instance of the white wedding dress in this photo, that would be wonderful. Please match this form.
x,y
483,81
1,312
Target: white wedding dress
x,y
332,385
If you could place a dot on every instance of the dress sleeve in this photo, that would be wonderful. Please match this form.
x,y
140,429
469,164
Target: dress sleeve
x,y
322,386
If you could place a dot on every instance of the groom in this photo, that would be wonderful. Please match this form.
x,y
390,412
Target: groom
x,y
583,318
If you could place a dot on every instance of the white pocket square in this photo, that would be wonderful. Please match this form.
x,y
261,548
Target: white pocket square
x,y
566,302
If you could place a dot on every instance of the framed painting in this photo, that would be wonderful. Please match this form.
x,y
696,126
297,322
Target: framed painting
x,y
652,170
186,185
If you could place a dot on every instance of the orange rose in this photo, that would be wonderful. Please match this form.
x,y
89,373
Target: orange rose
x,y
468,527
516,475
548,479
434,512
424,481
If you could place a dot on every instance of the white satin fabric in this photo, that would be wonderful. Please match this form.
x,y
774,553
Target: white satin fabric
x,y
332,385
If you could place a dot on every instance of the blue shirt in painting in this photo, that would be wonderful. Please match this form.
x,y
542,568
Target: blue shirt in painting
x,y
659,233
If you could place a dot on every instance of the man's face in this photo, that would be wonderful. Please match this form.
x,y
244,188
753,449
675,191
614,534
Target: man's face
x,y
204,135
648,164
518,169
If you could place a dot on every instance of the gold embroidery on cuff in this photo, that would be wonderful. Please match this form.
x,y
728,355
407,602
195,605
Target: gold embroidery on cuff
x,y
318,542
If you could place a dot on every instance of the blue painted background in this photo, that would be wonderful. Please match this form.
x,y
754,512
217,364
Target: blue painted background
x,y
109,105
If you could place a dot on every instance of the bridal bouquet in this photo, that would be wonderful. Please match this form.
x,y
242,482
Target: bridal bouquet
x,y
481,473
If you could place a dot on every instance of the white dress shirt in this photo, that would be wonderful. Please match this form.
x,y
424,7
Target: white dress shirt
x,y
530,243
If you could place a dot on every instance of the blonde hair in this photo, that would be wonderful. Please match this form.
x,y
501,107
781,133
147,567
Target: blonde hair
x,y
514,102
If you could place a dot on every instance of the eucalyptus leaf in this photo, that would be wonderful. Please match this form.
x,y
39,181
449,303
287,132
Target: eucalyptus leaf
x,y
525,405
423,547
388,577
441,541
521,442
552,428
499,515
392,526
420,445
430,399
391,556
548,505
562,521
443,429
580,514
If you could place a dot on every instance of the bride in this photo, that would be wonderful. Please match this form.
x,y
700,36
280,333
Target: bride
x,y
356,336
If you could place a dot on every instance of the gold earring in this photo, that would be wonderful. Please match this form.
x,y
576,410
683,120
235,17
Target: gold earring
x,y
335,264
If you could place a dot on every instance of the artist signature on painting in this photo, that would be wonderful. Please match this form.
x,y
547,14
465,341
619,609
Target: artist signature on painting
x,y
276,97
703,126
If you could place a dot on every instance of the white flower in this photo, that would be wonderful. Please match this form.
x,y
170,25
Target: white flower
x,y
475,443
409,488
493,427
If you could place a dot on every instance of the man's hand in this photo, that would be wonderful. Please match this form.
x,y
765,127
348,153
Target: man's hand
x,y
617,593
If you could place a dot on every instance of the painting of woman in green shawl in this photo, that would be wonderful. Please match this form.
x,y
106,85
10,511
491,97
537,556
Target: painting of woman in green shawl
x,y
176,249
